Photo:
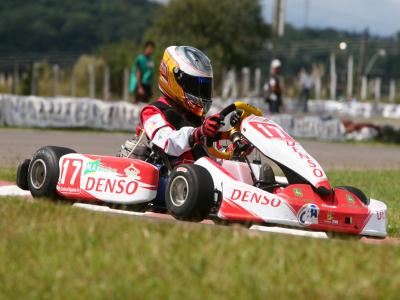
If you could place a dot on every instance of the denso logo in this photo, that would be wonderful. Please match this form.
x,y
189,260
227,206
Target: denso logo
x,y
251,197
271,130
106,185
311,163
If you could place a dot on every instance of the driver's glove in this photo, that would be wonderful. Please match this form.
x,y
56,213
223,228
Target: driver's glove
x,y
236,118
209,129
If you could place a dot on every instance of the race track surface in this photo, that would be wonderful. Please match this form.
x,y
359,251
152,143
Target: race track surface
x,y
17,144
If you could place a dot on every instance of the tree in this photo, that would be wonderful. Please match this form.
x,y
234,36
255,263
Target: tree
x,y
43,26
227,31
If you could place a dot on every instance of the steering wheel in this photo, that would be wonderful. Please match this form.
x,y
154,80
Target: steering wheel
x,y
247,110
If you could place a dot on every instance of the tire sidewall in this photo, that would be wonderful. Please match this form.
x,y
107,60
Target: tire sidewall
x,y
200,194
50,155
192,190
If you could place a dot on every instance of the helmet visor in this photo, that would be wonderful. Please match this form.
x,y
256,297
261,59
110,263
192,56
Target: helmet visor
x,y
203,104
197,89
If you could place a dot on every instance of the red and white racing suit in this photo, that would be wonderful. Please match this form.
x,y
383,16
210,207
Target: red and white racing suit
x,y
172,136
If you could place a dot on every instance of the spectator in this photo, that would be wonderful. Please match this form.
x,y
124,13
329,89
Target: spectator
x,y
306,83
274,88
142,74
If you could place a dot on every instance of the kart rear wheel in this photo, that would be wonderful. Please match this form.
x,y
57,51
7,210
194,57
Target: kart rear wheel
x,y
357,192
44,171
190,193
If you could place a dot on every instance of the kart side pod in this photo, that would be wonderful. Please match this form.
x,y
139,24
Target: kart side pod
x,y
107,178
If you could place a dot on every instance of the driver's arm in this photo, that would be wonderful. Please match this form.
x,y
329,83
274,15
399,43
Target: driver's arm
x,y
163,134
176,142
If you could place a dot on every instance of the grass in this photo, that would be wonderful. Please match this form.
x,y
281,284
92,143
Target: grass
x,y
8,174
380,185
52,251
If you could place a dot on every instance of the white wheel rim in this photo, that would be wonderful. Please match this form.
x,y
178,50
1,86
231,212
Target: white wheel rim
x,y
38,173
179,191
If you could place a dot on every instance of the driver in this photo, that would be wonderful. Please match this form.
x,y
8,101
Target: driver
x,y
176,122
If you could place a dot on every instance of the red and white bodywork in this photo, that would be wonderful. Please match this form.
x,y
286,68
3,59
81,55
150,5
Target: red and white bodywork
x,y
130,181
297,204
107,178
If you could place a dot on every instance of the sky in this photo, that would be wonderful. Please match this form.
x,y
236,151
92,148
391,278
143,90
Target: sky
x,y
381,17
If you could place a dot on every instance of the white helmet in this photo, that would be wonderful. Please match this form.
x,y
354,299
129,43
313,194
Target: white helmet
x,y
276,63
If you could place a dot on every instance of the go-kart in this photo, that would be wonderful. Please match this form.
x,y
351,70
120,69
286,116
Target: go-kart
x,y
231,184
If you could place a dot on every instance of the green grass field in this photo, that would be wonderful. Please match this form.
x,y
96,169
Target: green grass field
x,y
54,251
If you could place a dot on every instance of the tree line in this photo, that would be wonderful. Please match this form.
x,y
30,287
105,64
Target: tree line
x,y
232,33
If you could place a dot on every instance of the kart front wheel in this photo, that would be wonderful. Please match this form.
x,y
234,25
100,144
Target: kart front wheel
x,y
44,170
190,193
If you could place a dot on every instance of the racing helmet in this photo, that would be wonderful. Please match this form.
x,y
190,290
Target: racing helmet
x,y
186,77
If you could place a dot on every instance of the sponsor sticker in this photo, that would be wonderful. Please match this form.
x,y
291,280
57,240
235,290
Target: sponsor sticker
x,y
181,169
92,166
153,123
350,198
132,171
330,219
95,166
308,214
380,215
298,192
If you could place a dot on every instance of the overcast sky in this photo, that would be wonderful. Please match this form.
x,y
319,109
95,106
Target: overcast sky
x,y
380,16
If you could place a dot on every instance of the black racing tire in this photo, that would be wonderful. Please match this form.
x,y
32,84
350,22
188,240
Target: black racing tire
x,y
44,171
357,192
190,193
22,174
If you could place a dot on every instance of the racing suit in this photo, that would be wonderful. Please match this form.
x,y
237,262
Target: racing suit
x,y
171,131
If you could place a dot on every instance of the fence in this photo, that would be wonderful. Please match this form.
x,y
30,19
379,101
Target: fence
x,y
235,83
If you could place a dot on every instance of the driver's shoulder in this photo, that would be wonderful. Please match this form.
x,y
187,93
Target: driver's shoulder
x,y
155,108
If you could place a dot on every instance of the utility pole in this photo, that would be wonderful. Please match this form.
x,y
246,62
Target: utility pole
x,y
350,64
91,81
278,23
15,79
125,87
56,79
306,12
361,62
333,76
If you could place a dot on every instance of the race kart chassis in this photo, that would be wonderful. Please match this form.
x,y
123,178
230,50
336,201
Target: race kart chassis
x,y
232,190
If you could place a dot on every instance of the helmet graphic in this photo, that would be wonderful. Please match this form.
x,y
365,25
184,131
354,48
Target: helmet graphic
x,y
186,77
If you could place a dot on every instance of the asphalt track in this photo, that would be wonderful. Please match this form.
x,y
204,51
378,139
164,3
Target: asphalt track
x,y
17,144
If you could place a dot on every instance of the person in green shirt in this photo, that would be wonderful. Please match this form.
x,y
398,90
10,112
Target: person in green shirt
x,y
142,74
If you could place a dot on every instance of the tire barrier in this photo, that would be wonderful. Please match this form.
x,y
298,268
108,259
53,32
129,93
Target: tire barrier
x,y
355,109
63,112
67,112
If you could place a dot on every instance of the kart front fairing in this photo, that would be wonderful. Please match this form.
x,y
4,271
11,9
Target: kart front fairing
x,y
272,140
297,204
